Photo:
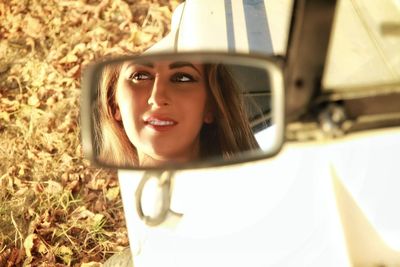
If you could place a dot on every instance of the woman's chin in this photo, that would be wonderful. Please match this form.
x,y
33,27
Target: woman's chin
x,y
163,159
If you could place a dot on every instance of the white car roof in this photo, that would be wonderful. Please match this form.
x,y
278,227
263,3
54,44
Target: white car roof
x,y
364,47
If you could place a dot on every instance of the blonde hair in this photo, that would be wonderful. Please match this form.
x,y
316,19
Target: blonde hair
x,y
231,128
113,145
228,134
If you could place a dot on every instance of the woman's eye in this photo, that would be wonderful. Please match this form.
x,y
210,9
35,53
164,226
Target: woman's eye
x,y
140,76
182,77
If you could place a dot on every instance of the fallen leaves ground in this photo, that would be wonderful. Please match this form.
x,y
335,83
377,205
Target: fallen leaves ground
x,y
55,209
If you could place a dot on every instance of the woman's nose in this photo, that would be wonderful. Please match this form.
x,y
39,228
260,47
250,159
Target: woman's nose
x,y
159,93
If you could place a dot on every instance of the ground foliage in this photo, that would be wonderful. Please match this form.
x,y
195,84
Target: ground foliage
x,y
56,209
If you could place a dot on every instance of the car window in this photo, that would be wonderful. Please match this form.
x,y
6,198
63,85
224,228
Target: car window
x,y
279,14
365,45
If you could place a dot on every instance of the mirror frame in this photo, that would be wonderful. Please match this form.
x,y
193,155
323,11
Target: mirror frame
x,y
91,76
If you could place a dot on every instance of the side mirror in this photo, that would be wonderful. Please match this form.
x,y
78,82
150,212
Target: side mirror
x,y
178,111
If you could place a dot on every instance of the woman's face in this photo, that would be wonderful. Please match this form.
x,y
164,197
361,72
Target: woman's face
x,y
163,107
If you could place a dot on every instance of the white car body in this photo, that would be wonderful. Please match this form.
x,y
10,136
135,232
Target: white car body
x,y
288,210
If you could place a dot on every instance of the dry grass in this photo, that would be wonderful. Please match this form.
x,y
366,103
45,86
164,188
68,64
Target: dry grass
x,y
55,209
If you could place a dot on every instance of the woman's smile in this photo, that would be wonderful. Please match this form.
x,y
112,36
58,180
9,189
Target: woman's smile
x,y
160,123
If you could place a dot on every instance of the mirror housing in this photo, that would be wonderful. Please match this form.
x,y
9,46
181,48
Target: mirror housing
x,y
261,89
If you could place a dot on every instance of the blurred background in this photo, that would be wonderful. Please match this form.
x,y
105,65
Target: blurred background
x,y
55,209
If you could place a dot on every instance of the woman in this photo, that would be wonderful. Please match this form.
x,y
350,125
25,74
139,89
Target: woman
x,y
170,112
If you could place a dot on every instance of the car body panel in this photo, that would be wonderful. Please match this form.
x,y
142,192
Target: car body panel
x,y
283,210
279,211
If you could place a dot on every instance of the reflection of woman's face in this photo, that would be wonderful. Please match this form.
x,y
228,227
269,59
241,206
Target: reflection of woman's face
x,y
162,107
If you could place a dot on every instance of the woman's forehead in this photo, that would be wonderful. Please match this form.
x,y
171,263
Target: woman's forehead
x,y
165,64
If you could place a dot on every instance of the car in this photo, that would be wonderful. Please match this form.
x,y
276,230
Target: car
x,y
326,193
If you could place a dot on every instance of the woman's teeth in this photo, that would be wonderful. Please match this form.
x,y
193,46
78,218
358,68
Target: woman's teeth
x,y
160,123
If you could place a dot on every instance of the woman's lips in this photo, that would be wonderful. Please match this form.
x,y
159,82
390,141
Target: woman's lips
x,y
159,123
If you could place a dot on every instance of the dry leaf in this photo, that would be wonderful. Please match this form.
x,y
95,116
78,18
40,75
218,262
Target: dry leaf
x,y
18,182
31,155
33,100
21,191
66,159
165,11
5,116
112,193
97,219
21,172
65,253
42,249
69,58
53,188
140,38
82,213
73,185
73,71
91,264
79,48
28,244
33,27
96,184
99,205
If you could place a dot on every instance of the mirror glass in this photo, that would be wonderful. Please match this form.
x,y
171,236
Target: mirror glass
x,y
180,111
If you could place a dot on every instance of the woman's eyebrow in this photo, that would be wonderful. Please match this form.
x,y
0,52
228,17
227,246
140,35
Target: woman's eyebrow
x,y
146,64
181,64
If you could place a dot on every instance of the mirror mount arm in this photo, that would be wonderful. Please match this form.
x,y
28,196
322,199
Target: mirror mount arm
x,y
308,43
164,186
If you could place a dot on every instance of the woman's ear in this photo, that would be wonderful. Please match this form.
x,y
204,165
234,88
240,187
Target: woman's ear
x,y
209,117
117,114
